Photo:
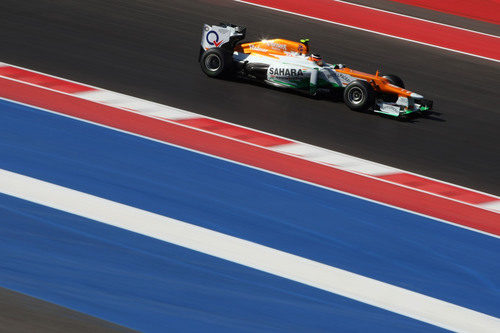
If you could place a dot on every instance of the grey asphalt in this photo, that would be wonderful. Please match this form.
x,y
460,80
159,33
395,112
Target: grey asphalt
x,y
23,314
149,49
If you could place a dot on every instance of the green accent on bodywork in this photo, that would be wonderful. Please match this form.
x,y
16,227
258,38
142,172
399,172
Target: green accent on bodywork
x,y
408,111
284,83
326,83
304,84
312,88
405,112
304,40
299,84
389,114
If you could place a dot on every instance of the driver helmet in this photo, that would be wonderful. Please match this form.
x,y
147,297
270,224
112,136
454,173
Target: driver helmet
x,y
317,59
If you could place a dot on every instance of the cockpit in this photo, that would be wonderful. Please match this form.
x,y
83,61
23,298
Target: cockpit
x,y
317,59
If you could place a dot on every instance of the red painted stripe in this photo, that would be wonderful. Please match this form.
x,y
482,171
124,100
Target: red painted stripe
x,y
437,187
235,132
392,24
483,10
428,204
43,80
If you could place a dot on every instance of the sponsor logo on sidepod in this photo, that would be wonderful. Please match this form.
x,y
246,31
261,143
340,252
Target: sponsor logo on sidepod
x,y
285,72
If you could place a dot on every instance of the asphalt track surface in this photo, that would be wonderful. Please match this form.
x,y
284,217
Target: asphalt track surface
x,y
22,314
149,48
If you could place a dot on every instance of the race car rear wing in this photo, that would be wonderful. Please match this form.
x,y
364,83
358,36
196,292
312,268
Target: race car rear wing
x,y
221,35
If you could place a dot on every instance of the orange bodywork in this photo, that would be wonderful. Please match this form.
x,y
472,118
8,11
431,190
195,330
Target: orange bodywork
x,y
379,83
273,47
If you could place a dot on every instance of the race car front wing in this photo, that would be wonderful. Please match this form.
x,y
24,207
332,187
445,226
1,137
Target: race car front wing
x,y
403,106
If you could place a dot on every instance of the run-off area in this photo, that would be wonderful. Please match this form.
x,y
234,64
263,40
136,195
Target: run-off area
x,y
149,285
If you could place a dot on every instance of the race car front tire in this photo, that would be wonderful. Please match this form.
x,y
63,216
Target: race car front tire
x,y
359,95
397,81
216,62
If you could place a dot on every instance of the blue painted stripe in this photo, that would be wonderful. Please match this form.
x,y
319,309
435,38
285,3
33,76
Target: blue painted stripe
x,y
400,248
154,286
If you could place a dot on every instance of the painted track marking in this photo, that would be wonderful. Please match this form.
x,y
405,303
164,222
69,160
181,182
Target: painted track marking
x,y
450,211
482,10
286,265
416,18
275,142
475,44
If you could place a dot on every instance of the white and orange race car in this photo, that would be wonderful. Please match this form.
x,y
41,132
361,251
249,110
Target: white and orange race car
x,y
289,64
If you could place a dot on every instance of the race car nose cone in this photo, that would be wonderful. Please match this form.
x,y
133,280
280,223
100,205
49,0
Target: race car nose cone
x,y
414,95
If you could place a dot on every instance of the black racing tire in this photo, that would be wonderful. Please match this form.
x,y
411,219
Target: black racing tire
x,y
217,63
359,95
395,80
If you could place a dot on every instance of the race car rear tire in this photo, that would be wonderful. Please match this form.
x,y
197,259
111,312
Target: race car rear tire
x,y
359,95
216,63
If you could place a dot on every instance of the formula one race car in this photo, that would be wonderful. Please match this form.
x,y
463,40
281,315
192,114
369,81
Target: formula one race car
x,y
288,64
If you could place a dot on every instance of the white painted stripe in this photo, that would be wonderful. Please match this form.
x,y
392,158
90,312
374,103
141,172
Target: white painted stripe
x,y
369,168
491,205
286,265
174,114
298,149
137,104
114,99
339,160
368,30
97,95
